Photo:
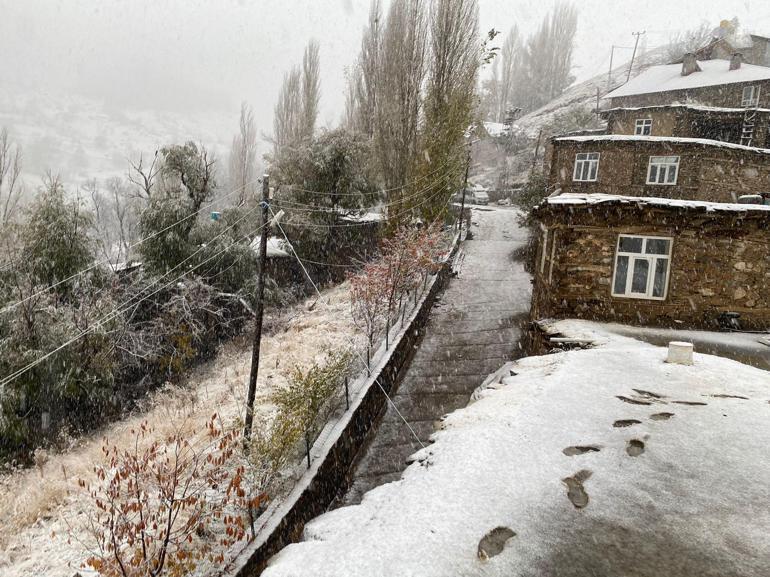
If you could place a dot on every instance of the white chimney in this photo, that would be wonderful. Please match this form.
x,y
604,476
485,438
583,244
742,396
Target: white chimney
x,y
689,64
679,353
736,61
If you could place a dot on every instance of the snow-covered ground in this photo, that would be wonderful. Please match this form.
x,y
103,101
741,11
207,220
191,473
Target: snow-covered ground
x,y
39,509
605,461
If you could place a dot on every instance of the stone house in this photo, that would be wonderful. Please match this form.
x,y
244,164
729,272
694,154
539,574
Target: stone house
x,y
755,49
657,166
719,83
653,261
737,125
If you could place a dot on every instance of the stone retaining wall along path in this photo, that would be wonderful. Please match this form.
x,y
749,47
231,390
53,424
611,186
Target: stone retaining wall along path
x,y
473,329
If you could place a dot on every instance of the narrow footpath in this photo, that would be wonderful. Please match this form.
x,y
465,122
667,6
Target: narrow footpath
x,y
474,328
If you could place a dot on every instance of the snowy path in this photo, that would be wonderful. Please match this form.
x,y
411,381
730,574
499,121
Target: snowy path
x,y
36,508
473,329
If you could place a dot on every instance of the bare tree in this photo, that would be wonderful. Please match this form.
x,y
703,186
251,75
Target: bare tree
x,y
548,58
243,156
362,96
400,76
143,176
311,88
510,63
691,40
115,219
296,111
10,177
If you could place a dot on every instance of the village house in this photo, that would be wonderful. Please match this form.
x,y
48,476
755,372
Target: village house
x,y
671,134
662,218
718,83
653,261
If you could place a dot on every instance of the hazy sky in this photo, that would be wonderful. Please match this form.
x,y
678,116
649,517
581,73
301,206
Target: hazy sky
x,y
205,54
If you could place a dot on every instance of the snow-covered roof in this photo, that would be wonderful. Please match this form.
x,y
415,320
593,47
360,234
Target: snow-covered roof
x,y
584,199
698,107
666,139
495,128
276,247
667,77
600,461
365,217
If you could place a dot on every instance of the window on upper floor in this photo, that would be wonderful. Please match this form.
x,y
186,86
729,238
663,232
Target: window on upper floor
x,y
642,266
750,96
663,170
643,127
586,167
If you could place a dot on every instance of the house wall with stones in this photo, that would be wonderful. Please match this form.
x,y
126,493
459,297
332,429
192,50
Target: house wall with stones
x,y
725,95
681,121
706,172
720,262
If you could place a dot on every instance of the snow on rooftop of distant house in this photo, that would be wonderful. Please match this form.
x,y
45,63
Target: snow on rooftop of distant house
x,y
365,217
668,139
668,77
689,106
603,460
275,247
588,199
495,128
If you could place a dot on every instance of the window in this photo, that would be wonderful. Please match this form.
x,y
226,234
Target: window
x,y
586,166
750,96
641,267
663,170
643,127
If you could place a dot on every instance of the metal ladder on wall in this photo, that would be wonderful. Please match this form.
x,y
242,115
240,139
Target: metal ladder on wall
x,y
747,130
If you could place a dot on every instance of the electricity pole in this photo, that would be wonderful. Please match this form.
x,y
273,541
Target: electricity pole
x,y
630,66
609,74
265,204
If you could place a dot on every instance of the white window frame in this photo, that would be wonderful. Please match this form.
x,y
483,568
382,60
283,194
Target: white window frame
x,y
663,166
586,164
652,260
753,97
641,124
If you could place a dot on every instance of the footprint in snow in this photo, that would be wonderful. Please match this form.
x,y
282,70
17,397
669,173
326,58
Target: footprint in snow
x,y
634,447
494,542
576,492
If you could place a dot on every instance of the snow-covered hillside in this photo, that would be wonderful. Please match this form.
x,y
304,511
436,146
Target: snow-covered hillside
x,y
81,138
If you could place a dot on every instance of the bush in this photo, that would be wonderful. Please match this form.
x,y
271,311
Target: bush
x,y
152,507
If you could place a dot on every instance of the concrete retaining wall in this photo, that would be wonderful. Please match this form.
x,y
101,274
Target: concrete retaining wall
x,y
330,474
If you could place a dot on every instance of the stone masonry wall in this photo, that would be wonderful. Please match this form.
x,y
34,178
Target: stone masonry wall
x,y
719,263
726,95
709,173
679,121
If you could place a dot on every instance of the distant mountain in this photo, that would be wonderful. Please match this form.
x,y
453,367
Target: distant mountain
x,y
81,138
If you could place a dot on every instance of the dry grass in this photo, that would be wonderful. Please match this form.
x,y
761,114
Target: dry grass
x,y
36,503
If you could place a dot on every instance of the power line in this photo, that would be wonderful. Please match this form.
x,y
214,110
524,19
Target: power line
x,y
123,307
107,261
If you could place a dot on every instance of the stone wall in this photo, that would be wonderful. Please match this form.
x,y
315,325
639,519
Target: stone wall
x,y
726,95
709,173
720,262
681,121
330,475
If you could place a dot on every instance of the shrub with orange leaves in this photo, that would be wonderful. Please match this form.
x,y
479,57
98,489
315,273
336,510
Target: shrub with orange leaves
x,y
164,506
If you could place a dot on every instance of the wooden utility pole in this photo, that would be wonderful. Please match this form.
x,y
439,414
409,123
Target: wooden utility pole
x,y
630,66
265,204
